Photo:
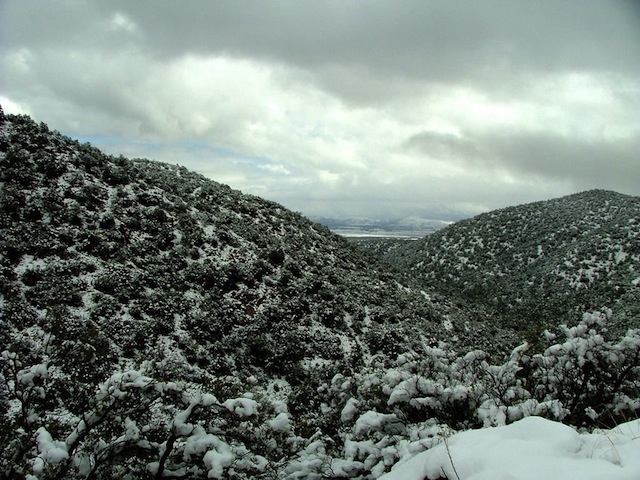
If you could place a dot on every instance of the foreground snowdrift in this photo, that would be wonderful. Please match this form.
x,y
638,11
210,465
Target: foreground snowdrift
x,y
530,449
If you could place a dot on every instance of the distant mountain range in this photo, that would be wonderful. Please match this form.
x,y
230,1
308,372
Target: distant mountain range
x,y
406,227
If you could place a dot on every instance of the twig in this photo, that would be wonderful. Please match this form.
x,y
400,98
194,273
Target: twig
x,y
446,445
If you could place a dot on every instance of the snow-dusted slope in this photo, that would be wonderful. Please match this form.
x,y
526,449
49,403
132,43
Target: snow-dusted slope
x,y
539,262
141,251
530,449
115,269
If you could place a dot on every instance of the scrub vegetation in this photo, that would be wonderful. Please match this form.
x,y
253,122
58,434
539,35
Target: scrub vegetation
x,y
157,324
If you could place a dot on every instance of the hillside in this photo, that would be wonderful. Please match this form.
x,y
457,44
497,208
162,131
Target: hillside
x,y
532,265
157,324
110,264
146,252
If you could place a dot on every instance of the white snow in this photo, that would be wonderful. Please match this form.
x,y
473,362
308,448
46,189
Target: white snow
x,y
620,256
281,423
372,421
349,411
529,449
244,407
217,459
50,451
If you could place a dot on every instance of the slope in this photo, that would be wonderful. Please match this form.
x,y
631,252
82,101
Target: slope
x,y
138,251
537,264
143,278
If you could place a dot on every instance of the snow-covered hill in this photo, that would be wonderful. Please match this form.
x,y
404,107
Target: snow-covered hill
x,y
533,264
234,282
111,265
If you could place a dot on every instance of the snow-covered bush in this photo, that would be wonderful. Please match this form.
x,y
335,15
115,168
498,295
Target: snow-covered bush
x,y
581,378
594,378
138,427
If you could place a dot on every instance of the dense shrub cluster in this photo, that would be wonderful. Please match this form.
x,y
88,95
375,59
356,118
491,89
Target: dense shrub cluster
x,y
581,377
167,418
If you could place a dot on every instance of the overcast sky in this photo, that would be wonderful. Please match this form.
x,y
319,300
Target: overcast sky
x,y
439,109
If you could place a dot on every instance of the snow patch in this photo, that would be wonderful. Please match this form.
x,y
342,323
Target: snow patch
x,y
349,411
529,449
50,451
244,407
281,423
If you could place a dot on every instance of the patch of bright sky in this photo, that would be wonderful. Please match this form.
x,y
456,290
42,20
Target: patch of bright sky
x,y
119,22
8,106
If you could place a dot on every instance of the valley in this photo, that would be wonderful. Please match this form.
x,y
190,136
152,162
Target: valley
x,y
363,229
159,324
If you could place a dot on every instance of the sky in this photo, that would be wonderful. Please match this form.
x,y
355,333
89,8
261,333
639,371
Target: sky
x,y
344,108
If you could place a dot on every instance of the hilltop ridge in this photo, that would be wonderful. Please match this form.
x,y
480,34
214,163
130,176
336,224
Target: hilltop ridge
x,y
533,264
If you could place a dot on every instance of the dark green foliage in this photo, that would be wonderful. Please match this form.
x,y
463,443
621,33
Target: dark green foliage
x,y
537,263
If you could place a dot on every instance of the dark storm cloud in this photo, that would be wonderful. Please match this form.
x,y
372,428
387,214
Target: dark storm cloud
x,y
587,163
361,50
584,162
437,39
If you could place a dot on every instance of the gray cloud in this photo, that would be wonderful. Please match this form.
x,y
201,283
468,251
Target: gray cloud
x,y
434,37
431,40
445,146
585,163
413,106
